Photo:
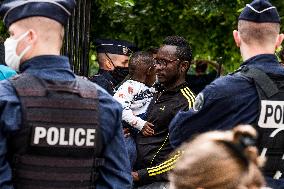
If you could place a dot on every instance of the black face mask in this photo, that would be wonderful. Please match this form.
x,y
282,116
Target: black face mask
x,y
119,73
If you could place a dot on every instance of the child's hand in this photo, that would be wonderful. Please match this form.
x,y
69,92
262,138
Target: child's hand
x,y
147,130
126,132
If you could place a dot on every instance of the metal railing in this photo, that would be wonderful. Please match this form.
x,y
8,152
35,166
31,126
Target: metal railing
x,y
77,38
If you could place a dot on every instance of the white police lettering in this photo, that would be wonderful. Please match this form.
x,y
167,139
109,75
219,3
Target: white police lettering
x,y
52,136
78,134
90,137
40,132
272,117
272,114
64,136
62,140
71,137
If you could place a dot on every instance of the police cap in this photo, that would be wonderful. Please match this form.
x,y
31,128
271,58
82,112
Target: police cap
x,y
260,11
14,10
119,47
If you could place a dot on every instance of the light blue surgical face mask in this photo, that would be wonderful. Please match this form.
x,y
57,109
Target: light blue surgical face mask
x,y
11,58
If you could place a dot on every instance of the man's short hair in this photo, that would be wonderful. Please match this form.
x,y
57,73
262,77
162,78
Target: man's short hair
x,y
184,51
258,33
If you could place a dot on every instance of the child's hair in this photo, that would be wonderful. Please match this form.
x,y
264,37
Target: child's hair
x,y
140,61
219,160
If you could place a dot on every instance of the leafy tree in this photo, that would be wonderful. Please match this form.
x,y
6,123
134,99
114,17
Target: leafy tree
x,y
206,24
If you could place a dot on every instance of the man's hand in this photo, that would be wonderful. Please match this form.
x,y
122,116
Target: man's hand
x,y
147,130
135,176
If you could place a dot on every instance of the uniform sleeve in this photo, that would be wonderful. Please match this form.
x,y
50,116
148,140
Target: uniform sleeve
x,y
124,95
116,172
10,119
212,110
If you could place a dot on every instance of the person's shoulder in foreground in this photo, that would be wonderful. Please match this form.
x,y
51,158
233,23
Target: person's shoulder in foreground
x,y
114,171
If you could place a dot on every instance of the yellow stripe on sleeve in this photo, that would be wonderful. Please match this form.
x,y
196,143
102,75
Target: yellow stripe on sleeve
x,y
192,96
187,97
164,167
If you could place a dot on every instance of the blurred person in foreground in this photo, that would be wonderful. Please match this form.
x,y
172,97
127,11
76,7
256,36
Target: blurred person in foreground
x,y
219,160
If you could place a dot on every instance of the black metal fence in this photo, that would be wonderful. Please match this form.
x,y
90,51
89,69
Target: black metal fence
x,y
77,38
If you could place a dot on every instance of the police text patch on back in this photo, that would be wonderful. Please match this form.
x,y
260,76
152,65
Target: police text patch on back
x,y
272,114
63,137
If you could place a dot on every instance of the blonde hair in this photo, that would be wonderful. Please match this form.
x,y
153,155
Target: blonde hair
x,y
258,33
49,30
218,160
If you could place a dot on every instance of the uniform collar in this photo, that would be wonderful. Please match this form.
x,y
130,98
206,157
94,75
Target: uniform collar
x,y
106,74
45,62
265,62
261,58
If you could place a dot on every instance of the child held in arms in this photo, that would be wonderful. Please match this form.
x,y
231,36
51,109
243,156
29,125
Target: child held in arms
x,y
135,95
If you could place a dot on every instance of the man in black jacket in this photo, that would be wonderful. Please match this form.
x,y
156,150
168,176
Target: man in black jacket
x,y
172,62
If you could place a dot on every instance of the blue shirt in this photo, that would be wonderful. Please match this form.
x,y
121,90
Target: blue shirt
x,y
116,171
225,103
6,72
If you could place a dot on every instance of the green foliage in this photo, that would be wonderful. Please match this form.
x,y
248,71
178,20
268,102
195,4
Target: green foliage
x,y
3,33
206,24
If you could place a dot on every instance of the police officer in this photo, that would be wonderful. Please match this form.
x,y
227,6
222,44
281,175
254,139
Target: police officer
x,y
252,95
57,130
113,56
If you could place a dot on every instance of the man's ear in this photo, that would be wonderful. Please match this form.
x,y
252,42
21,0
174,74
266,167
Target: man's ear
x,y
237,38
279,40
108,64
184,66
31,37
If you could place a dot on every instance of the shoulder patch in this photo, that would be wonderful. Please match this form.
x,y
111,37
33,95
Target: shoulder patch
x,y
199,101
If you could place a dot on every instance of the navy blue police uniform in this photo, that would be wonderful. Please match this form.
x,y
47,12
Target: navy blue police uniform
x,y
110,79
238,99
57,130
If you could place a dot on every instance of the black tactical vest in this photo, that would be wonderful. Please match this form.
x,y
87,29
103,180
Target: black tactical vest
x,y
59,144
270,124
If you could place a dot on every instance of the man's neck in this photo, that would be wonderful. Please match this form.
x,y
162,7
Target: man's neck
x,y
171,86
248,52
